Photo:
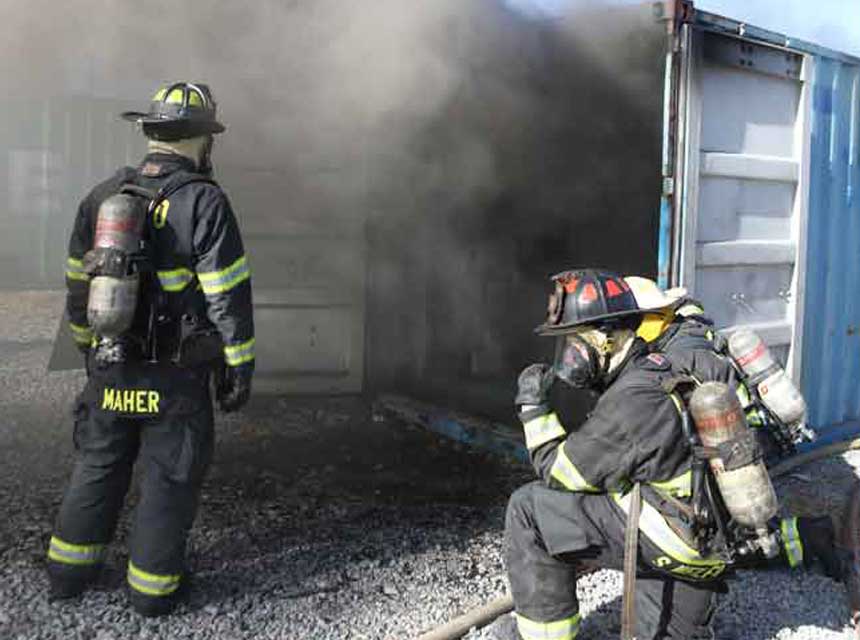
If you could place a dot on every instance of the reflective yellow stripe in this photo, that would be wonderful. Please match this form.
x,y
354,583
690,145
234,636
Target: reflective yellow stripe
x,y
81,334
75,554
679,487
75,270
152,584
175,279
220,281
743,395
655,527
159,94
565,629
565,472
237,354
791,541
542,429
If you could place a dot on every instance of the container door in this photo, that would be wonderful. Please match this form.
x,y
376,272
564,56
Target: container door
x,y
743,208
306,247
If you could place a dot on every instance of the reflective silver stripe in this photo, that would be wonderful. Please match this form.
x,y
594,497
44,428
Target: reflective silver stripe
x,y
214,282
565,629
655,527
542,429
237,354
565,472
791,541
76,554
175,279
152,584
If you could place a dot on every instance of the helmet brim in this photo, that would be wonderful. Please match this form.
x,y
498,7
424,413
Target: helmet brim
x,y
173,125
561,329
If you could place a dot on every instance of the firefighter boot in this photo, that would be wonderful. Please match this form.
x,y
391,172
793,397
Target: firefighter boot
x,y
818,537
503,628
67,581
848,545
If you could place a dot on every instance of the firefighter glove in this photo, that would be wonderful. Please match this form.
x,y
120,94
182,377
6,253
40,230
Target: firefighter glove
x,y
533,386
234,388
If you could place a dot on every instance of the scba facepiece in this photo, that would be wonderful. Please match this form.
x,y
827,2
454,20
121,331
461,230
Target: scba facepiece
x,y
582,358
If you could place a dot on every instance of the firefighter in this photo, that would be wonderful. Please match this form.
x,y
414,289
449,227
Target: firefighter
x,y
577,511
147,396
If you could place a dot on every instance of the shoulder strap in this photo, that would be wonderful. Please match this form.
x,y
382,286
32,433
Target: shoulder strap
x,y
176,182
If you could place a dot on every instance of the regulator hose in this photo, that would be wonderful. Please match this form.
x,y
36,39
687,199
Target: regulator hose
x,y
485,614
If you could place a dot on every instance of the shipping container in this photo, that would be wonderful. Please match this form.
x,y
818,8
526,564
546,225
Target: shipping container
x,y
651,139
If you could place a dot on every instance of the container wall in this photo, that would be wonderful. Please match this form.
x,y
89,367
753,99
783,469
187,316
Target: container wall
x,y
831,347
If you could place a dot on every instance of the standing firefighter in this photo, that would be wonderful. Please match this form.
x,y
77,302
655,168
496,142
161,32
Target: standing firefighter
x,y
159,296
637,442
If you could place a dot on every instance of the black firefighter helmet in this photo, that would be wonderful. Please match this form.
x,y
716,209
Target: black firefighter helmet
x,y
178,110
587,296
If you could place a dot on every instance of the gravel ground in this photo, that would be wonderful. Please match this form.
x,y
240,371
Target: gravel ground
x,y
320,521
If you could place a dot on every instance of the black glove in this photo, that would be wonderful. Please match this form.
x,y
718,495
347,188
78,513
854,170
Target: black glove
x,y
234,387
533,386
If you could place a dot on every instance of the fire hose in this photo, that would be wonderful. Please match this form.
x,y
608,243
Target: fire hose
x,y
487,613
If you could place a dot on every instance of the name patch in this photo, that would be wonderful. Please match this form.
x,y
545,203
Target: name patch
x,y
136,401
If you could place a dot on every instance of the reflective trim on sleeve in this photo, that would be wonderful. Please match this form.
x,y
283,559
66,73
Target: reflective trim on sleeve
x,y
791,541
82,334
214,282
152,584
565,629
542,429
175,280
75,270
237,354
690,309
75,554
679,486
655,527
565,472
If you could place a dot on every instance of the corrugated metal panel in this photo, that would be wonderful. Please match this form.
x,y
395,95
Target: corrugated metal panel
x,y
831,348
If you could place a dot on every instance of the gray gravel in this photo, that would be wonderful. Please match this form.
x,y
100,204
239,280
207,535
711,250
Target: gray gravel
x,y
319,522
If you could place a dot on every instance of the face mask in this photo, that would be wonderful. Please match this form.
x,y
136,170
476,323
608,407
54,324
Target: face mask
x,y
578,363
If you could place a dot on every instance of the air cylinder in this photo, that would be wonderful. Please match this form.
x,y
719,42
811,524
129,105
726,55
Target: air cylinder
x,y
741,476
113,292
776,390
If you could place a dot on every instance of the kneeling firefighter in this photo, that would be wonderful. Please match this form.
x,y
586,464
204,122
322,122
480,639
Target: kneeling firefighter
x,y
649,455
159,297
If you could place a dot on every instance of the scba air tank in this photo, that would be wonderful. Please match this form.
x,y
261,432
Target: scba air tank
x,y
114,287
735,459
775,388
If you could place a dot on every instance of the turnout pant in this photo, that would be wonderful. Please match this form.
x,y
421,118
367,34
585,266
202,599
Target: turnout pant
x,y
159,416
549,532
